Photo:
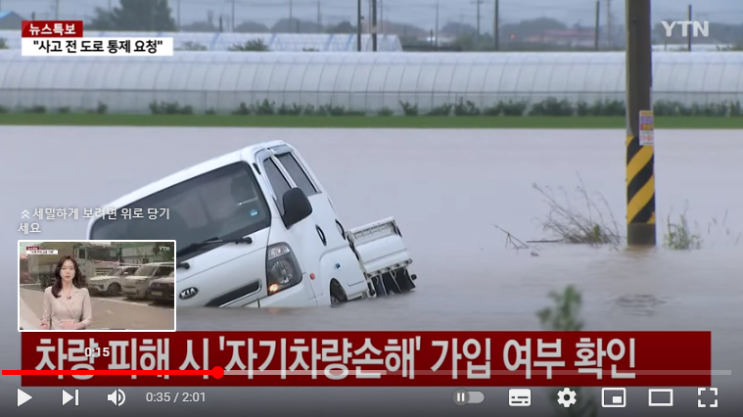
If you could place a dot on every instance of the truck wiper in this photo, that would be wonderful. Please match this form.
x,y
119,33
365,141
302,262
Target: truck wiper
x,y
198,245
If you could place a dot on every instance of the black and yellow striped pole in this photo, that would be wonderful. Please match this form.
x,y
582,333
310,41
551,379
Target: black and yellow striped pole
x,y
640,130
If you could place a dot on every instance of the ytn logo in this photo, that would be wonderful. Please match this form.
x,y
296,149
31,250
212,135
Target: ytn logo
x,y
699,28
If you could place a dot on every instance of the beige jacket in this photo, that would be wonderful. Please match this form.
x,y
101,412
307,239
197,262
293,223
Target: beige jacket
x,y
75,309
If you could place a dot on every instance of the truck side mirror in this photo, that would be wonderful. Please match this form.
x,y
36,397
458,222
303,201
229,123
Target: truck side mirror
x,y
297,207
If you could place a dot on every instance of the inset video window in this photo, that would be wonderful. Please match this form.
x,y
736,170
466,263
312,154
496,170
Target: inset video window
x,y
96,285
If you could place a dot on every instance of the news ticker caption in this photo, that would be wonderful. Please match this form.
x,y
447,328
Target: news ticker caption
x,y
38,250
88,213
65,37
370,359
52,29
98,47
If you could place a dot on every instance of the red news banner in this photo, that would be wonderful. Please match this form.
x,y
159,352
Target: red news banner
x,y
52,29
367,359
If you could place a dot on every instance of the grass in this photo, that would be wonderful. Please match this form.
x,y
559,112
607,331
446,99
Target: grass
x,y
564,315
582,221
681,235
458,122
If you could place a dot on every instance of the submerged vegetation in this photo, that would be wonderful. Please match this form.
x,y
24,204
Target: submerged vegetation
x,y
564,315
579,219
681,234
584,218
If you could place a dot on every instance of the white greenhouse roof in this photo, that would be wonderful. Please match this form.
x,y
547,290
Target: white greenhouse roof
x,y
281,42
363,81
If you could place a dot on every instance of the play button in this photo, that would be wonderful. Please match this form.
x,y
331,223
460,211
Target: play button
x,y
23,398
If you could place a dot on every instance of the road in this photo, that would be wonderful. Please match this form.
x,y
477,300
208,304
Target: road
x,y
108,312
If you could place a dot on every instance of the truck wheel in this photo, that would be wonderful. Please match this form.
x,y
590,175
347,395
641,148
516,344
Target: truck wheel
x,y
114,290
337,295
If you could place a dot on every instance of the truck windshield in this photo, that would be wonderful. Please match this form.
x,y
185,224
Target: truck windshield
x,y
225,203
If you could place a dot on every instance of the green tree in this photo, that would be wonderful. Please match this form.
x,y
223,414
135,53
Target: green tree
x,y
342,27
136,15
256,45
3,44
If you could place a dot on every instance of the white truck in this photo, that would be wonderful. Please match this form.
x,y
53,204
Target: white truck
x,y
42,267
256,228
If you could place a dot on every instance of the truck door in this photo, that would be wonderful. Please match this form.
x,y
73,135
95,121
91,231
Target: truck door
x,y
340,263
304,239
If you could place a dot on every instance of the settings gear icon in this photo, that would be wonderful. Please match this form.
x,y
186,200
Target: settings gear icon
x,y
566,397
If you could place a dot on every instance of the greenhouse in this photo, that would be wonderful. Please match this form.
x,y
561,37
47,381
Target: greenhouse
x,y
222,82
280,42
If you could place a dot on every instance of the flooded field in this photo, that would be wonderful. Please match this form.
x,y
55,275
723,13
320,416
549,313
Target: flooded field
x,y
447,189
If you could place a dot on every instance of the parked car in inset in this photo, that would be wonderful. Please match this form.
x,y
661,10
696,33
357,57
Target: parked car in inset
x,y
26,278
162,289
135,286
111,283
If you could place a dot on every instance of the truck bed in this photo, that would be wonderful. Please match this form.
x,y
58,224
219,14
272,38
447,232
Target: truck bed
x,y
379,247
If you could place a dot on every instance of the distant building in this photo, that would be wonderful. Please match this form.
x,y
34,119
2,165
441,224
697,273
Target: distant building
x,y
10,21
566,37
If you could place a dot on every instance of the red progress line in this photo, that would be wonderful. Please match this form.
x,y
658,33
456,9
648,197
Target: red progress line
x,y
217,372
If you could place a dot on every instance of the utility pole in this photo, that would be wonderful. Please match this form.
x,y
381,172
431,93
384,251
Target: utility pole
x,y
688,38
374,25
319,17
640,133
381,17
232,18
109,7
608,23
477,35
177,6
56,9
436,31
596,26
358,26
496,26
291,14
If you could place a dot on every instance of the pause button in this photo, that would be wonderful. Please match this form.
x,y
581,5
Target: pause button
x,y
461,397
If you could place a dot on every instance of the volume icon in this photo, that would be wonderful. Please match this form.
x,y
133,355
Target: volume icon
x,y
117,397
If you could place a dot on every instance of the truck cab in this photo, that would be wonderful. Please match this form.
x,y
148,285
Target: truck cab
x,y
256,228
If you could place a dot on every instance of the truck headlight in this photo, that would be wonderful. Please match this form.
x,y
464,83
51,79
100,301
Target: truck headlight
x,y
282,268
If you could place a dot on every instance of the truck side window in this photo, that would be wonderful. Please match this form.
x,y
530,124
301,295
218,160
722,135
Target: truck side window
x,y
298,175
279,184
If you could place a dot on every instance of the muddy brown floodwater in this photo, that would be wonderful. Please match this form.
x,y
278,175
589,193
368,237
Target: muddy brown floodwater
x,y
446,188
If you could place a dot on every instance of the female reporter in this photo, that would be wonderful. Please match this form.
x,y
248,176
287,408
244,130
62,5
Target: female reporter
x,y
67,302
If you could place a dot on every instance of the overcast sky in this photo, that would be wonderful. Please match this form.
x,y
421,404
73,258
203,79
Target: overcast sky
x,y
418,12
